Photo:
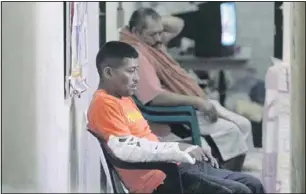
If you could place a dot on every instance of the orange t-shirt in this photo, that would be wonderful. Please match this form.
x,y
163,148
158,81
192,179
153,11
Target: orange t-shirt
x,y
108,115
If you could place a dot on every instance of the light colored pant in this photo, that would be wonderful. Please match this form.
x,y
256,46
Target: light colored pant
x,y
231,132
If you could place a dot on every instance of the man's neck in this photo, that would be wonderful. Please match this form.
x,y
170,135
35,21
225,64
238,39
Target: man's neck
x,y
107,89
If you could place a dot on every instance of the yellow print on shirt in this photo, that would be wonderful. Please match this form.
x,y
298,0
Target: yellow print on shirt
x,y
134,116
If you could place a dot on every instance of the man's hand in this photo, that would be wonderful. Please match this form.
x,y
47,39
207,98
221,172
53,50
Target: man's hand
x,y
208,109
199,154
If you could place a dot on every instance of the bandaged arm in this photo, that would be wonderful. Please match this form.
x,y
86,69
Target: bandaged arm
x,y
133,149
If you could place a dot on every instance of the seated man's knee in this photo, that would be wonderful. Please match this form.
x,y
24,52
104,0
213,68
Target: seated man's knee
x,y
254,184
221,186
234,129
230,186
245,125
240,188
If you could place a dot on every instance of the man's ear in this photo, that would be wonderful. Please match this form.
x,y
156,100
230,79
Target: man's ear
x,y
135,31
107,72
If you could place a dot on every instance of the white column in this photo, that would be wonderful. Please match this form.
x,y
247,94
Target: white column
x,y
297,43
19,153
35,129
53,135
35,113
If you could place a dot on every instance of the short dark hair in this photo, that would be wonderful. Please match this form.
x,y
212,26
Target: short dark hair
x,y
138,18
112,53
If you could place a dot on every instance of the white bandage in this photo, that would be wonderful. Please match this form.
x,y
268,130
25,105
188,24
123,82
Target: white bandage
x,y
190,149
134,149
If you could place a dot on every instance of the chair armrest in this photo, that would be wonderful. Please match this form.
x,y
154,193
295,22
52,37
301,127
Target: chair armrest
x,y
161,110
167,119
191,121
175,110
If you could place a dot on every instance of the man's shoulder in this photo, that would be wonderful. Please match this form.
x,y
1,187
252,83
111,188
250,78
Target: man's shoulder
x,y
104,101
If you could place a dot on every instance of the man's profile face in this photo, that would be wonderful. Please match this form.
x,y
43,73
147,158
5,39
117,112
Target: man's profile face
x,y
152,33
125,78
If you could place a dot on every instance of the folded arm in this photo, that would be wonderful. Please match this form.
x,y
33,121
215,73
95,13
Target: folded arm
x,y
167,98
150,89
172,27
151,92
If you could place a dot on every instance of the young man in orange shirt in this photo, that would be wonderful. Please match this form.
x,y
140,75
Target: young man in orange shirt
x,y
114,117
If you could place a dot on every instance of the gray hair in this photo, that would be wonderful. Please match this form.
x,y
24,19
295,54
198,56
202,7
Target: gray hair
x,y
138,18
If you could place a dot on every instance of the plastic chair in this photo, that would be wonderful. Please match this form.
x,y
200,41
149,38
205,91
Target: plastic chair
x,y
170,169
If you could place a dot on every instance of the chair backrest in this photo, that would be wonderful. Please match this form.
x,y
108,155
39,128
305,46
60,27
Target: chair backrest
x,y
137,102
117,185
